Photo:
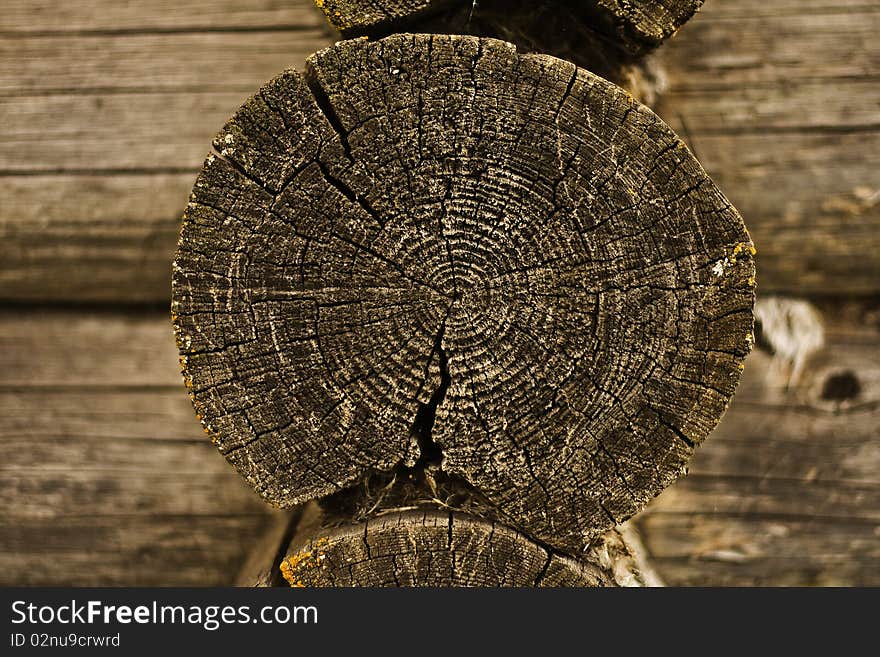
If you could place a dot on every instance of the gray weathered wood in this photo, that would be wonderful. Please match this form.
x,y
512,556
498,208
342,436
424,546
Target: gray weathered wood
x,y
105,477
111,16
779,102
637,26
446,549
125,550
787,490
753,550
198,61
502,240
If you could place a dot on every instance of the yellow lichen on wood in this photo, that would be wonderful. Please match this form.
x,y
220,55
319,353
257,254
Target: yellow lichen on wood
x,y
312,558
742,248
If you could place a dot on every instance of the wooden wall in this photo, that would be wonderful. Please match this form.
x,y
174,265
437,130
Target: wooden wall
x,y
107,109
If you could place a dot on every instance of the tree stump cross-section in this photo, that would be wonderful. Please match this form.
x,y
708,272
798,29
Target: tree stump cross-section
x,y
432,252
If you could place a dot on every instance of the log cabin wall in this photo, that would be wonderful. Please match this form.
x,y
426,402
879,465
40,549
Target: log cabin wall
x,y
107,110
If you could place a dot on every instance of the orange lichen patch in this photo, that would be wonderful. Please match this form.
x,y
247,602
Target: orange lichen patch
x,y
312,558
742,249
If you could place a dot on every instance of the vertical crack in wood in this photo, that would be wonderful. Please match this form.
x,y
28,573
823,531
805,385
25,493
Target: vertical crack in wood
x,y
430,452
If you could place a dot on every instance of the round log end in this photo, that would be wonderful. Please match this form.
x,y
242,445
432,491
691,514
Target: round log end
x,y
433,251
442,550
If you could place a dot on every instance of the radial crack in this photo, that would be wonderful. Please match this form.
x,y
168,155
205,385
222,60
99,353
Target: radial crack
x,y
430,452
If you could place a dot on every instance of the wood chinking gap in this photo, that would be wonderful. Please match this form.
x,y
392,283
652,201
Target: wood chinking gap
x,y
490,280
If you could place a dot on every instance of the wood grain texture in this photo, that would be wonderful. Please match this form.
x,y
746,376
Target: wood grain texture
x,y
458,268
105,477
780,103
777,100
125,550
416,549
29,17
787,491
635,26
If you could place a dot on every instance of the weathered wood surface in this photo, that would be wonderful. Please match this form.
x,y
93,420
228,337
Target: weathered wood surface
x,y
787,490
784,492
435,250
432,548
105,477
779,101
90,17
808,176
636,26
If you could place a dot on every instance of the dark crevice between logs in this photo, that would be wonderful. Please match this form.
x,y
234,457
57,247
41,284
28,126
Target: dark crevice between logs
x,y
275,575
553,21
581,33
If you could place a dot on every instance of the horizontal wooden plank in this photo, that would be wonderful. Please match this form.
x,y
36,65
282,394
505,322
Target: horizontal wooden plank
x,y
777,8
72,414
762,52
786,491
49,478
151,132
125,550
218,61
766,496
123,99
701,550
780,103
90,237
106,476
746,47
47,348
91,405
811,203
30,16
27,16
